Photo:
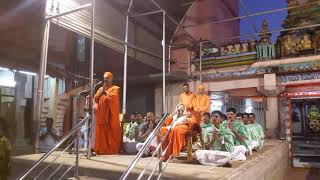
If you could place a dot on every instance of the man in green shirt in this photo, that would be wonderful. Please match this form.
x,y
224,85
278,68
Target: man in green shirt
x,y
223,139
132,130
206,127
252,133
259,135
238,128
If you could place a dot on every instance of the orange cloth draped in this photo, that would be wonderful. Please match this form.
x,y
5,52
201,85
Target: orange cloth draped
x,y
201,103
177,136
108,133
187,99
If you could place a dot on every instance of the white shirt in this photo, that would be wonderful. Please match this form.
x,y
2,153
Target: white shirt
x,y
48,142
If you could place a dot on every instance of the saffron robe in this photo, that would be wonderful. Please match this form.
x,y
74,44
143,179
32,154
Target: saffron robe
x,y
177,135
201,103
108,131
187,99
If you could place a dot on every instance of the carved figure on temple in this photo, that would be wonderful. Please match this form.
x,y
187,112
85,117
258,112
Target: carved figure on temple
x,y
314,123
293,3
305,42
238,48
245,46
289,44
316,41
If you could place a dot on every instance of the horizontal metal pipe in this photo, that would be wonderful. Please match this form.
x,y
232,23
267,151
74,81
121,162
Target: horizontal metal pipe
x,y
145,14
253,35
251,15
69,12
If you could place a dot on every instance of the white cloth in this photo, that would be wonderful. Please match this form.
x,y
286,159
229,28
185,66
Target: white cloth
x,y
253,145
239,153
149,150
212,158
48,142
179,120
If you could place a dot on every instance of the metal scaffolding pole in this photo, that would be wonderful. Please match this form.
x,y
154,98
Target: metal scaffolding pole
x,y
125,64
69,12
91,110
42,73
200,65
164,63
169,57
174,21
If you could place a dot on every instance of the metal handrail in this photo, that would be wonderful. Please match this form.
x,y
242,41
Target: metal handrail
x,y
145,146
56,146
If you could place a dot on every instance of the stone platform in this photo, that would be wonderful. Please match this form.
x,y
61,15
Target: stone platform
x,y
271,163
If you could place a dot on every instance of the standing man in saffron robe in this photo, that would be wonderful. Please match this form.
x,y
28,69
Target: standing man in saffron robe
x,y
201,103
186,98
108,133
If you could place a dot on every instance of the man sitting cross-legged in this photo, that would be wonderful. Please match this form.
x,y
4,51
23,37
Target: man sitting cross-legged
x,y
180,124
223,139
258,129
238,129
252,132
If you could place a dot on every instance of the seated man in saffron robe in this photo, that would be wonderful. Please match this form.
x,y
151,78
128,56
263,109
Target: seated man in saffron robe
x,y
108,130
180,124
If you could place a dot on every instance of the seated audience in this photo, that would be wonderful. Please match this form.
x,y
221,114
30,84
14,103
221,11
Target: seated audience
x,y
206,127
153,145
132,129
223,139
48,136
238,128
260,133
252,140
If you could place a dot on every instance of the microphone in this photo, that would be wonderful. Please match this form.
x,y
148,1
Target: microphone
x,y
98,84
86,91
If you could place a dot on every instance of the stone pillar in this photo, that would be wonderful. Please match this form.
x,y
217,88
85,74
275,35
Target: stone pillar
x,y
20,104
271,90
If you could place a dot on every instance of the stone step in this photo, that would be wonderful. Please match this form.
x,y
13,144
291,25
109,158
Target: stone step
x,y
272,162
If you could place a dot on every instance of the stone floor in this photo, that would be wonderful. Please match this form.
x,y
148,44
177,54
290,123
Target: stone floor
x,y
111,167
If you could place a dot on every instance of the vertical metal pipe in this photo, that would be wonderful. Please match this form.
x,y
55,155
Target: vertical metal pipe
x,y
42,73
164,108
125,61
77,153
200,65
91,79
169,56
